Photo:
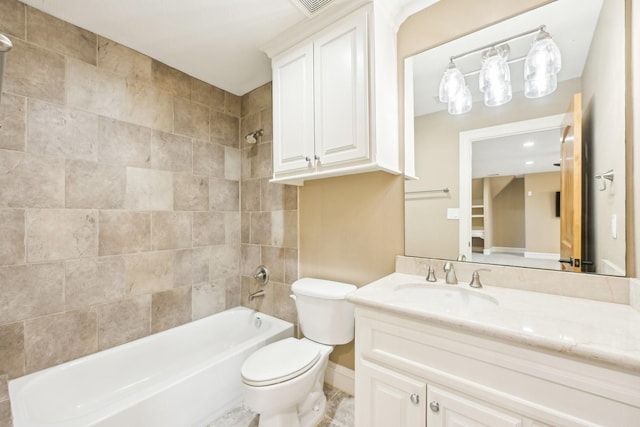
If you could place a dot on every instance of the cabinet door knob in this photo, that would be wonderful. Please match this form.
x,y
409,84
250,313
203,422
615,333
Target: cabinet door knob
x,y
316,157
415,398
435,406
307,159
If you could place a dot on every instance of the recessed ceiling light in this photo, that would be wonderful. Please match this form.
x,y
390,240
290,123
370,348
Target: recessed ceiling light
x,y
528,144
529,162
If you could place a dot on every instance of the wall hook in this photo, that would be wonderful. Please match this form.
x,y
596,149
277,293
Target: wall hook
x,y
608,175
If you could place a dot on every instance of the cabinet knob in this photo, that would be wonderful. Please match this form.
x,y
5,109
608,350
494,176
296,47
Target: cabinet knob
x,y
435,406
415,398
316,157
307,159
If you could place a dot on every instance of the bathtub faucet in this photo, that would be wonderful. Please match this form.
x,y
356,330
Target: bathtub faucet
x,y
256,295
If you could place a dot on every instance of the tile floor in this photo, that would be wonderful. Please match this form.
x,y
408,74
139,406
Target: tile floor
x,y
339,412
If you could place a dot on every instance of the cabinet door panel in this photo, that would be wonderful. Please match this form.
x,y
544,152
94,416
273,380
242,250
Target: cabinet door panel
x,y
448,409
293,110
389,398
341,92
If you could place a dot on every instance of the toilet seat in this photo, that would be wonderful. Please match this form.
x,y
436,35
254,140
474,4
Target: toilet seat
x,y
279,362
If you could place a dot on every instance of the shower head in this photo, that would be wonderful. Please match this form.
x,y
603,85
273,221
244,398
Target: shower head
x,y
252,137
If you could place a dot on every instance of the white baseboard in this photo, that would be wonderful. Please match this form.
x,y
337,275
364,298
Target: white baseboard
x,y
542,255
608,267
340,377
507,250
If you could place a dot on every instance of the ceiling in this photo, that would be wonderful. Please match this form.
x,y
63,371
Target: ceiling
x,y
216,41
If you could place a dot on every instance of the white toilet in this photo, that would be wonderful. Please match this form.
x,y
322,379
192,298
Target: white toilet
x,y
283,381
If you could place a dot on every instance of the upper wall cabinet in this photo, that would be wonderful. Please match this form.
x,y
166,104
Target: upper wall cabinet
x,y
335,101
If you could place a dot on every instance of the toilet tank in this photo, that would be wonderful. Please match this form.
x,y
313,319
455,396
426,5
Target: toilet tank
x,y
324,314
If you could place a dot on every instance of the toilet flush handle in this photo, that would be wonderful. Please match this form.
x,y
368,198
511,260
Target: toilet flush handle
x,y
292,296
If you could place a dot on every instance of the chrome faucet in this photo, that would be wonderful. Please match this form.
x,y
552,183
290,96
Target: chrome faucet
x,y
450,273
255,295
475,278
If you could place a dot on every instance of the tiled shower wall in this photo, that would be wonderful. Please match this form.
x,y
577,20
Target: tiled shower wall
x,y
120,182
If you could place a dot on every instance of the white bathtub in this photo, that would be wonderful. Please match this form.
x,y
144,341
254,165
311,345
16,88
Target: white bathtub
x,y
185,376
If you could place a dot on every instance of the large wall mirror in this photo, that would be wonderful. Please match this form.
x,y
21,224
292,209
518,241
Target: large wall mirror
x,y
538,181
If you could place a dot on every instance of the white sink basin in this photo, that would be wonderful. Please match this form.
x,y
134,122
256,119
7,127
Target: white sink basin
x,y
448,298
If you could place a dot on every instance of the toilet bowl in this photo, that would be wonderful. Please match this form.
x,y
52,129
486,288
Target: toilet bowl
x,y
283,381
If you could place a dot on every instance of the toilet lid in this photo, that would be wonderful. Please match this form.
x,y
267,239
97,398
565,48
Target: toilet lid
x,y
278,362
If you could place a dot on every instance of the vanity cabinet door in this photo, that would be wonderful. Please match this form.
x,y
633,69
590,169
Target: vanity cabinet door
x,y
450,409
387,398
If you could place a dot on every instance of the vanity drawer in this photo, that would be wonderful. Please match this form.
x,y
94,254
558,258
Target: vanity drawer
x,y
524,380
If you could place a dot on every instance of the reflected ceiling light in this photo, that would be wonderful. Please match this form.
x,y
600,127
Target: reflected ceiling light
x,y
528,144
529,162
542,64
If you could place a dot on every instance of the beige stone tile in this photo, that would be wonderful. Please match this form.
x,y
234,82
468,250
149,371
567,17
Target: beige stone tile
x,y
190,192
209,298
171,230
147,105
225,261
35,72
31,181
13,119
290,266
257,100
13,21
233,296
278,197
284,229
123,321
124,232
206,94
208,228
149,272
232,231
12,349
96,90
266,120
225,129
250,259
124,143
60,36
93,281
283,306
208,159
171,152
261,166
170,80
273,259
123,61
94,185
61,234
61,131
149,190
250,196
232,104
261,228
192,266
232,164
190,119
12,250
170,308
28,291
4,387
245,227
224,195
58,338
5,414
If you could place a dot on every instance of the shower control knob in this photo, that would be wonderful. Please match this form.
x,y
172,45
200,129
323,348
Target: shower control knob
x,y
415,398
435,406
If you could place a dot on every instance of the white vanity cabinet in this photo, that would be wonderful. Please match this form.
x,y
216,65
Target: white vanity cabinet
x,y
335,101
415,373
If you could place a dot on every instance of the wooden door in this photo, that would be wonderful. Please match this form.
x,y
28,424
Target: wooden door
x,y
571,189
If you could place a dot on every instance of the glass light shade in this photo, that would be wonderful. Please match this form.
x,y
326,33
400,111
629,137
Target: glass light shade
x,y
497,94
451,84
539,87
543,59
494,71
462,103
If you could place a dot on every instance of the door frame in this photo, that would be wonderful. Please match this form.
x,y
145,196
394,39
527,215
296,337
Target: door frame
x,y
466,139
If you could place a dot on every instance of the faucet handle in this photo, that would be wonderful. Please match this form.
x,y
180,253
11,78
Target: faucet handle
x,y
475,278
431,275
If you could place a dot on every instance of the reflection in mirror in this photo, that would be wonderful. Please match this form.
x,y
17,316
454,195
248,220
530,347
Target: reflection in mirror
x,y
510,171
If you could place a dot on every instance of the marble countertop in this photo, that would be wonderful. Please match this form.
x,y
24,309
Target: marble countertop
x,y
594,330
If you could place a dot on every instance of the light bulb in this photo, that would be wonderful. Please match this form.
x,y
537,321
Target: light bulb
x,y
451,84
462,103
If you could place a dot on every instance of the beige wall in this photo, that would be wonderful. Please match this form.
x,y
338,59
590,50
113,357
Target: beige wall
x,y
603,105
508,216
542,225
350,231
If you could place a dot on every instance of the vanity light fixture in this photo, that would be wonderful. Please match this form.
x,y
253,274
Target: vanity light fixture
x,y
542,64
